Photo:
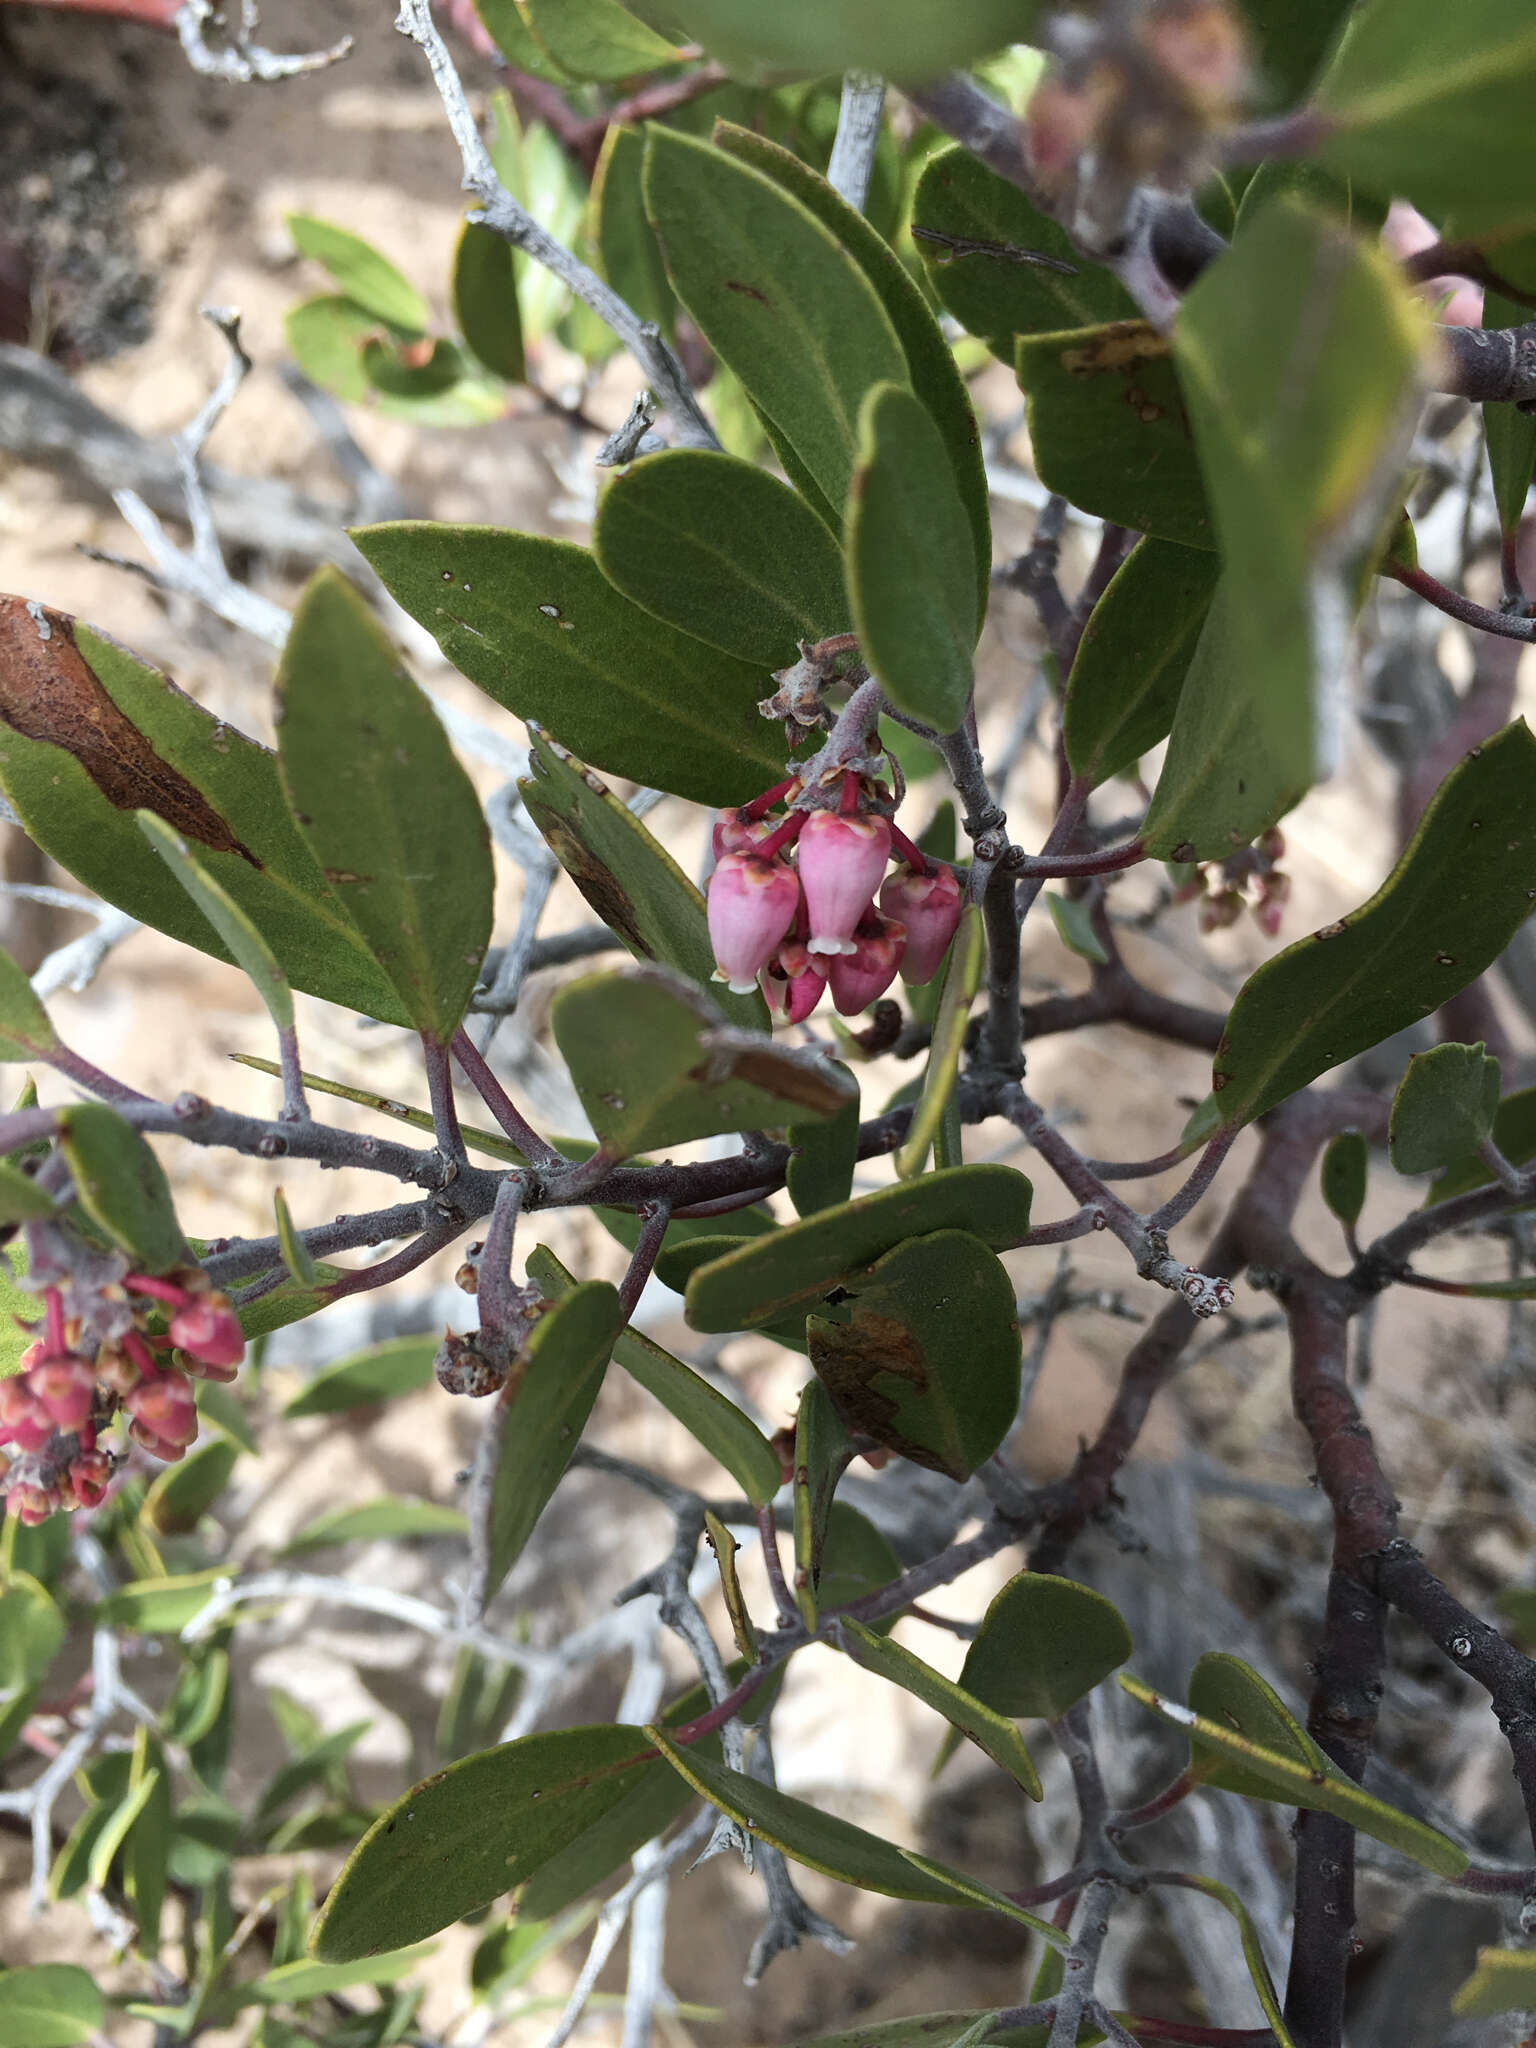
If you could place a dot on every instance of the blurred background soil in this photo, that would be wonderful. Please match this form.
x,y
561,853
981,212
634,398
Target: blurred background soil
x,y
131,194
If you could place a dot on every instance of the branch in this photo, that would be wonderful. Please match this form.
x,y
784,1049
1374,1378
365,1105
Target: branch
x,y
1506,625
858,136
242,61
500,212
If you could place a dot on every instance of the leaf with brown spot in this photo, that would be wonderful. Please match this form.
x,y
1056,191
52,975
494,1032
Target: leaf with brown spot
x,y
89,735
928,1361
627,876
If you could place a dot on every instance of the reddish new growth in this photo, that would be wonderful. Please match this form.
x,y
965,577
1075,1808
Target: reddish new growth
x,y
96,1365
792,903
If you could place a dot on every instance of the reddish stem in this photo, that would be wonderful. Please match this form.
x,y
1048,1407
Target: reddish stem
x,y
157,1290
760,806
53,1309
783,835
1504,625
910,852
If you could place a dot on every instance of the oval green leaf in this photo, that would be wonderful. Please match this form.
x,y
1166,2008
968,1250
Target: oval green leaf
x,y
1462,888
627,250
909,561
1514,1132
236,932
823,1454
365,276
1504,1981
902,39
121,1185
49,2005
596,38
1444,1107
792,1267
384,805
367,1378
822,1157
485,302
1043,1644
370,1521
184,1492
25,1030
536,624
1344,1174
990,1731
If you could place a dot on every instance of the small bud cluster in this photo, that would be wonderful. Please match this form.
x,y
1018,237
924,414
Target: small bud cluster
x,y
794,908
96,1363
1221,895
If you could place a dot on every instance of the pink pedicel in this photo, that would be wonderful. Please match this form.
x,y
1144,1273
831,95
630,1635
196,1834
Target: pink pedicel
x,y
793,983
858,978
209,1330
929,906
841,861
752,904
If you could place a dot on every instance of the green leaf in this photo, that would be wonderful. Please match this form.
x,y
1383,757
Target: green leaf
x,y
317,1761
1226,1691
837,1848
823,1454
975,232
723,551
729,1436
400,376
367,1378
538,626
296,1254
1288,40
1514,1132
509,31
856,1560
367,278
907,40
596,38
927,1361
482,1692
384,805
543,1409
1073,919
1294,1782
49,2005
822,1156
1300,358
654,1062
792,1267
1109,430
1135,652
1511,433
25,1030
373,1520
989,1730
725,1547
121,1185
288,1303
485,302
107,736
326,337
183,1493
1462,888
1253,1955
1345,1174
1444,1107
1043,1644
298,1982
20,1196
627,876
1434,104
147,1848
1504,1981
629,256
909,561
776,297
931,365
159,1607
239,936
32,1632
116,1825
474,1831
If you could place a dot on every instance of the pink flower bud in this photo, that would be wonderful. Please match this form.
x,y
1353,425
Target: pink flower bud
x,y
31,1504
164,1407
24,1421
793,983
157,1446
752,904
733,833
65,1386
841,861
1221,910
929,906
89,1477
209,1330
859,977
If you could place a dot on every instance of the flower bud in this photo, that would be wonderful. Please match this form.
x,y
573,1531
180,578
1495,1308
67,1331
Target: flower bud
x,y
164,1407
208,1330
858,978
752,904
24,1421
792,983
463,1368
89,1477
841,861
66,1387
929,906
157,1446
1221,910
732,833
31,1504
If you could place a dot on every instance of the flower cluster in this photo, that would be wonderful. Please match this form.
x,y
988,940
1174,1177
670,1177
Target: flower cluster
x,y
793,903
1221,894
96,1362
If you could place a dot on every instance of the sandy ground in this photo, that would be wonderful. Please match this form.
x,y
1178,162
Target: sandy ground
x,y
210,173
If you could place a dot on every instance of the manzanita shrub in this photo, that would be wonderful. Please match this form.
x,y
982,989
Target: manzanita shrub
x,y
1168,229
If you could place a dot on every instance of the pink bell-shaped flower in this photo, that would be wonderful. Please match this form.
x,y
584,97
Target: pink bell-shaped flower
x,y
89,1476
208,1330
66,1386
164,1409
929,906
859,977
24,1421
841,861
793,983
752,904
